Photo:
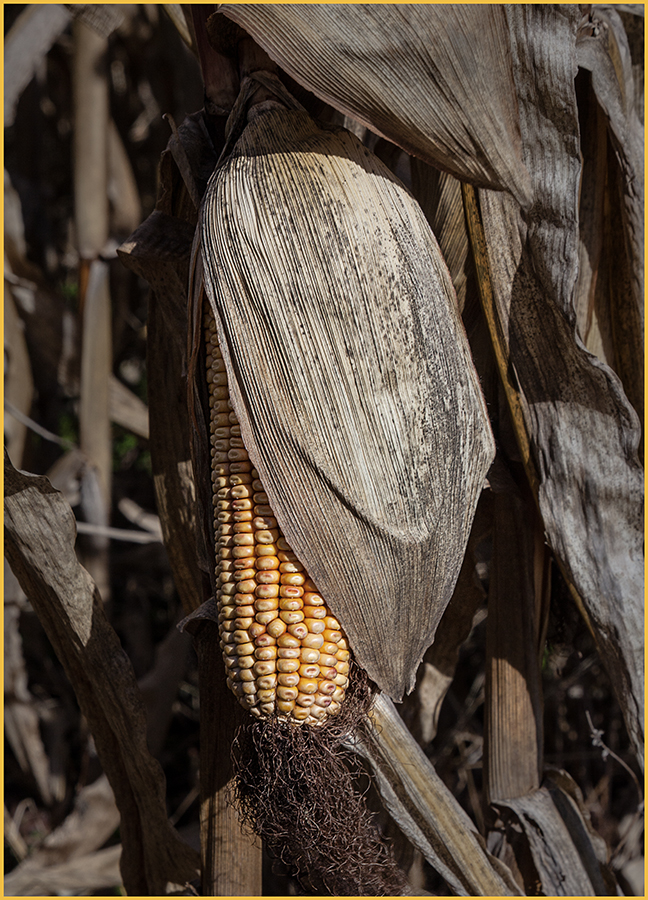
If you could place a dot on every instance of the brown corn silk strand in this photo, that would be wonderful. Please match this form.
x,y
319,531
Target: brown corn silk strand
x,y
296,788
285,653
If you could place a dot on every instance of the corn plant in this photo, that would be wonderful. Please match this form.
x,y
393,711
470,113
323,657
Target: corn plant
x,y
391,367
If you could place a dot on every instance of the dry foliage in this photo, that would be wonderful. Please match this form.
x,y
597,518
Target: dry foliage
x,y
512,767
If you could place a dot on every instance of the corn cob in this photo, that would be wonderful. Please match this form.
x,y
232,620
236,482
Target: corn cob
x,y
284,652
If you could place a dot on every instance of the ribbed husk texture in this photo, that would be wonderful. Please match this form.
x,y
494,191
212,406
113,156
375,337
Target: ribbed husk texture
x,y
436,79
351,377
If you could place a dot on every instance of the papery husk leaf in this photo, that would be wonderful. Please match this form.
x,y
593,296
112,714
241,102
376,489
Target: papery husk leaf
x,y
350,373
571,409
605,53
424,808
439,195
434,79
560,870
420,710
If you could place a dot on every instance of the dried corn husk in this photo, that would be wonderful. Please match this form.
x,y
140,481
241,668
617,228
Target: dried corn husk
x,y
436,80
616,205
569,409
351,376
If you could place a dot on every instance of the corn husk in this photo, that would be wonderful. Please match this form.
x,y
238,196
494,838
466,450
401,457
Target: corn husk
x,y
434,79
351,376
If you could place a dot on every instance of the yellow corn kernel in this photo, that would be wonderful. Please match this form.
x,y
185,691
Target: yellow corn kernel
x,y
284,652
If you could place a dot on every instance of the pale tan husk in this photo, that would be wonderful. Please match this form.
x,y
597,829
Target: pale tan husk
x,y
351,376
434,79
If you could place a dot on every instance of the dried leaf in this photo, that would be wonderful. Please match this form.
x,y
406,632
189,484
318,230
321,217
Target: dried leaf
x,y
134,513
66,474
351,376
90,873
101,17
176,13
126,408
439,195
425,809
40,536
563,856
26,45
421,709
568,408
219,71
92,821
159,251
607,56
436,80
22,725
126,207
50,328
592,849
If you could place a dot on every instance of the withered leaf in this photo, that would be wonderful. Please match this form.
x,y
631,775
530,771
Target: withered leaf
x,y
40,535
434,79
583,433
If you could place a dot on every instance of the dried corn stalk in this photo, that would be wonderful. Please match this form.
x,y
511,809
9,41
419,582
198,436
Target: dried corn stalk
x,y
350,376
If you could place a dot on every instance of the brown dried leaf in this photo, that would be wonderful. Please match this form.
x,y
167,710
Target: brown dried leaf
x,y
563,856
603,50
80,877
22,725
101,17
40,535
176,13
424,808
569,409
422,708
92,821
436,80
439,195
